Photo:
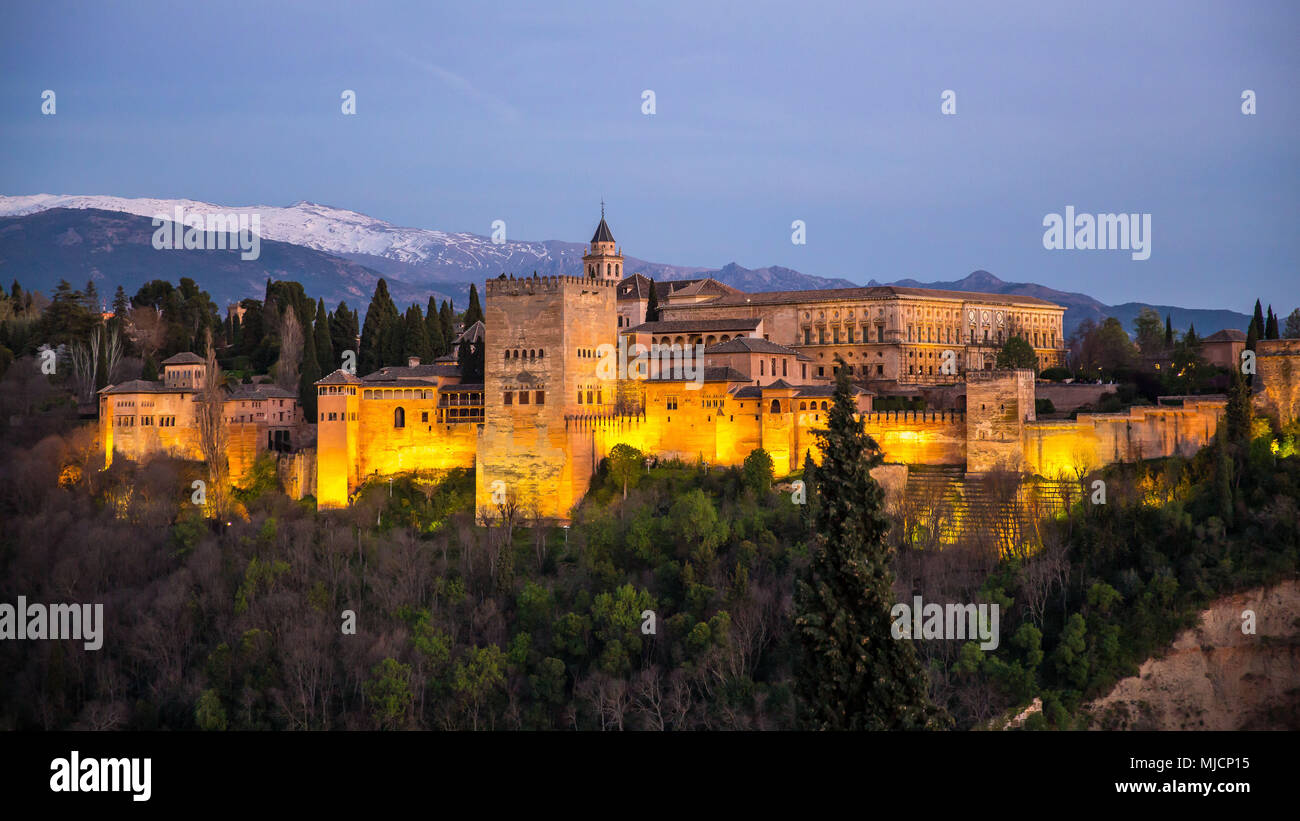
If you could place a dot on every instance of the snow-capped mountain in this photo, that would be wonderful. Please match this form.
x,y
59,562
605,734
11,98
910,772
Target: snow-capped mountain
x,y
333,230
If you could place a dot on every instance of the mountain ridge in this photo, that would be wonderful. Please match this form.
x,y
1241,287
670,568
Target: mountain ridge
x,y
357,249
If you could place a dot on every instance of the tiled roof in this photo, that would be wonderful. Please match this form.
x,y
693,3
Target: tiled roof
x,y
1226,335
872,292
474,333
672,326
390,373
145,386
339,377
602,232
711,374
185,358
751,344
260,391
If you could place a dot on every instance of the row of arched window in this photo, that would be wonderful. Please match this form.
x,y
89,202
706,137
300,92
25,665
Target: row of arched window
x,y
520,353
397,393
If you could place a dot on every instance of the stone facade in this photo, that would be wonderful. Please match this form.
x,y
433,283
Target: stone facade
x,y
562,387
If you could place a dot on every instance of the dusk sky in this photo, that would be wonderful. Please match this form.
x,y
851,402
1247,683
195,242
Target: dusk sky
x,y
765,113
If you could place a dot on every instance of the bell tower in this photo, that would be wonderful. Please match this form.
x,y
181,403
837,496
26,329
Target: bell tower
x,y
603,261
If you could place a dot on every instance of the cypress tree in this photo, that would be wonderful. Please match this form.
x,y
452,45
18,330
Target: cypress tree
x,y
447,319
415,339
381,342
324,346
1238,413
1252,336
1270,325
433,330
1169,333
652,304
1258,320
343,333
474,313
309,374
470,358
853,675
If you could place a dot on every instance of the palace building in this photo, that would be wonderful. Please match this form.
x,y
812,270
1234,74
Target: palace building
x,y
567,377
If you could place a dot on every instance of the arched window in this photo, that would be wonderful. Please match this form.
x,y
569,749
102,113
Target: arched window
x,y
540,353
399,418
507,357
823,406
776,406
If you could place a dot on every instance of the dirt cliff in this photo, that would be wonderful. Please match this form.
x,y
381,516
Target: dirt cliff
x,y
1216,676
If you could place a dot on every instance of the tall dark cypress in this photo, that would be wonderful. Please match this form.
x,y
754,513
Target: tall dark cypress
x,y
1258,320
433,330
652,304
324,345
447,319
852,674
474,313
1270,325
381,342
1169,333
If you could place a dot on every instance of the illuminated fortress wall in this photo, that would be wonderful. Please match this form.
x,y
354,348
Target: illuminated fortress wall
x,y
1068,448
420,443
1277,370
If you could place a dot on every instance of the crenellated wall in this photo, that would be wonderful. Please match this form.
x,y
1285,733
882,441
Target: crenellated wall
x,y
1277,374
1069,448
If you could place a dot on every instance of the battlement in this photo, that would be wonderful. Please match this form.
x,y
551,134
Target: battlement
x,y
998,375
529,286
897,417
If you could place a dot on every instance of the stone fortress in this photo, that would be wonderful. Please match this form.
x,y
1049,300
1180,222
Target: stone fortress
x,y
567,379
572,368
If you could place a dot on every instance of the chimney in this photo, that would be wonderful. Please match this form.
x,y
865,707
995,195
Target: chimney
x,y
412,361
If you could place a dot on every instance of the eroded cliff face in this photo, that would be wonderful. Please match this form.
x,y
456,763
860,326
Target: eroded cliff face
x,y
1215,676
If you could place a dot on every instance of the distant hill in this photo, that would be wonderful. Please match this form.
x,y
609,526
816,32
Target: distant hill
x,y
339,254
112,248
1081,306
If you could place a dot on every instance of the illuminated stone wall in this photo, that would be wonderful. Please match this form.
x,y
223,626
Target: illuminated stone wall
x,y
1071,448
528,448
998,404
1277,371
336,443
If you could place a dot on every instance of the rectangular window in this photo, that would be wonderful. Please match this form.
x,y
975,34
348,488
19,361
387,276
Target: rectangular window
x,y
588,397
523,397
540,397
579,397
509,398
835,334
784,366
807,336
599,401
821,371
803,370
880,370
671,402
880,333
821,336
424,416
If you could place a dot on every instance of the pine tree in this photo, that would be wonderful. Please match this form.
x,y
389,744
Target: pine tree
x,y
324,346
853,675
474,313
652,304
433,330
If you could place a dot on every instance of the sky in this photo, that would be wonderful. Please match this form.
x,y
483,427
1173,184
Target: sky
x,y
764,113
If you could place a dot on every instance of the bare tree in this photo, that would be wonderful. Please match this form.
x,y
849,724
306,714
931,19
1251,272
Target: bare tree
x,y
214,436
